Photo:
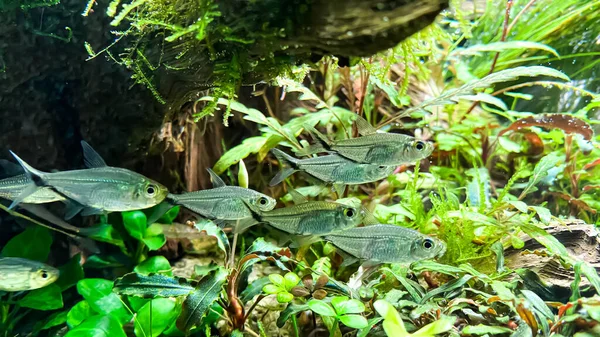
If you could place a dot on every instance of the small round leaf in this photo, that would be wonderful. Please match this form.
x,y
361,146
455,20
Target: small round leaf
x,y
271,289
284,297
320,307
354,321
291,280
277,280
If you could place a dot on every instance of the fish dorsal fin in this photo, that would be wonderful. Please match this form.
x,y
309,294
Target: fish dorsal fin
x,y
339,189
297,197
363,127
91,158
216,180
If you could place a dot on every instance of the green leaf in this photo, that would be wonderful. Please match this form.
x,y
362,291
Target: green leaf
x,y
154,238
104,233
543,213
149,286
321,307
277,280
57,318
136,303
254,289
392,322
242,175
501,46
156,316
98,293
270,289
79,313
70,273
33,244
364,332
197,303
156,264
291,310
538,304
481,329
450,286
547,240
541,171
291,280
444,324
169,216
509,145
354,321
135,223
237,153
47,298
428,265
201,271
213,230
352,306
284,297
98,326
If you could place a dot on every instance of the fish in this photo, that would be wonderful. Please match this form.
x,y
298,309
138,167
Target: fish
x,y
333,169
310,218
372,147
382,243
223,202
11,187
98,189
18,274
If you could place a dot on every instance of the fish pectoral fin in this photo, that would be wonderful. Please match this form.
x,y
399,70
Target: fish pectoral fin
x,y
91,158
304,240
159,210
242,225
339,189
29,190
363,127
348,259
87,211
297,197
216,180
72,208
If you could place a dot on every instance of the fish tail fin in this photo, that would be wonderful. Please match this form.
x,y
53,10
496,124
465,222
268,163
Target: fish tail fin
x,y
289,165
36,177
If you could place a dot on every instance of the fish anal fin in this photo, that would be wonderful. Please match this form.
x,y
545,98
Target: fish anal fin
x,y
348,259
87,211
29,190
242,225
363,127
72,208
216,180
91,158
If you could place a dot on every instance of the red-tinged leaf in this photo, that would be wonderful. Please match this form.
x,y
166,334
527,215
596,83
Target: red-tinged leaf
x,y
565,122
564,308
577,202
527,316
592,164
590,187
536,144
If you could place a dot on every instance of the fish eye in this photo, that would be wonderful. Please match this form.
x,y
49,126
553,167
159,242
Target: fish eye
x,y
427,244
381,167
349,212
419,145
150,190
263,201
44,274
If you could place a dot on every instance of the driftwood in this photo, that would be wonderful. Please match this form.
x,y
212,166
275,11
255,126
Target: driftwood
x,y
580,239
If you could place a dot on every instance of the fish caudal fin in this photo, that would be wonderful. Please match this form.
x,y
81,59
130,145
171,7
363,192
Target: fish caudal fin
x,y
36,177
289,165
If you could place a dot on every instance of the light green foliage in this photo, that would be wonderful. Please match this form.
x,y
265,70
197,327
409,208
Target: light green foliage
x,y
282,286
341,309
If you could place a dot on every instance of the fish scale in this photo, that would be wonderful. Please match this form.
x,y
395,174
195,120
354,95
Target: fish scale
x,y
10,188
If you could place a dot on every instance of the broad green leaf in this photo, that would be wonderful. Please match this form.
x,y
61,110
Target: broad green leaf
x,y
354,321
156,316
502,291
57,318
135,223
254,289
321,307
481,329
290,310
591,274
213,230
392,322
277,280
169,216
196,304
70,273
153,237
547,240
364,332
98,326
149,286
271,289
47,298
284,297
99,295
444,324
155,264
33,244
104,233
237,153
136,303
201,271
79,313
291,280
543,213
352,306
106,261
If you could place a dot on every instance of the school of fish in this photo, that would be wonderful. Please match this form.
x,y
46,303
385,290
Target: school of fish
x,y
100,189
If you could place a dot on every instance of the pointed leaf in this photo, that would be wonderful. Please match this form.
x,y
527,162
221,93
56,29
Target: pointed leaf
x,y
156,316
78,313
211,229
290,310
47,298
150,286
135,223
196,305
99,295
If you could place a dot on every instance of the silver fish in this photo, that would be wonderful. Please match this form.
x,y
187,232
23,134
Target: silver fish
x,y
223,202
18,274
98,189
373,147
11,188
386,244
332,168
313,217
